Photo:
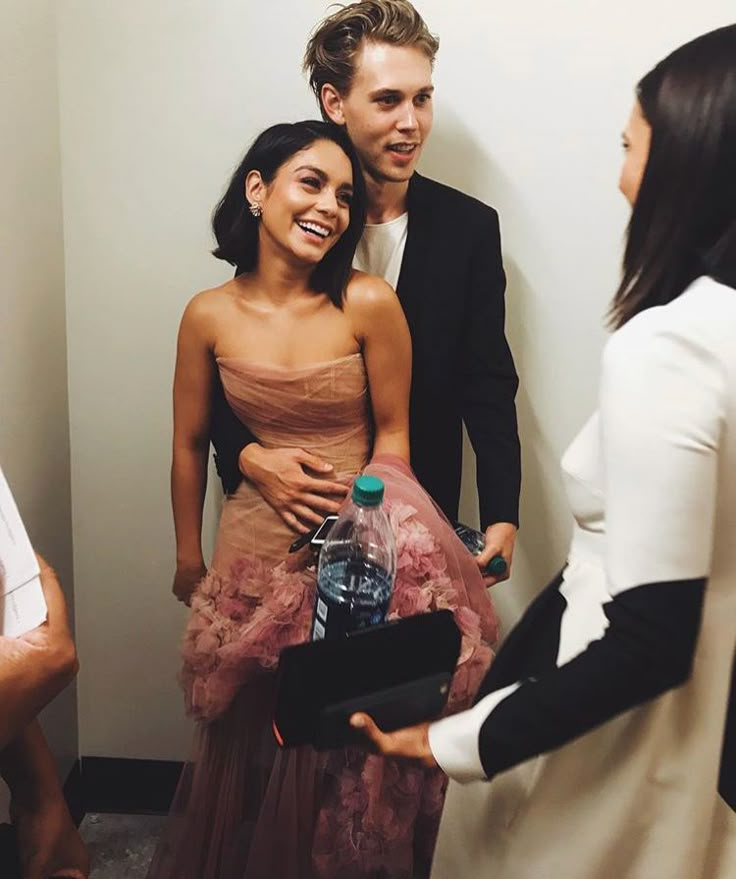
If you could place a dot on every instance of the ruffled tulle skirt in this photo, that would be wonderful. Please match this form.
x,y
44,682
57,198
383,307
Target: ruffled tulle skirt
x,y
246,809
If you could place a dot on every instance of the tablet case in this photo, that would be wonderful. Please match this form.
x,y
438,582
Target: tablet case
x,y
399,673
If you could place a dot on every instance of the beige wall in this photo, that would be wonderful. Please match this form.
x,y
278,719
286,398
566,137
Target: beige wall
x,y
34,424
158,100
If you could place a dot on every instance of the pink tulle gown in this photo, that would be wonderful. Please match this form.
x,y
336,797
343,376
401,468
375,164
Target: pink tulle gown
x,y
244,808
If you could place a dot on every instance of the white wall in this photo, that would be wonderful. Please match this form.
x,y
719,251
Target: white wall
x,y
34,425
158,101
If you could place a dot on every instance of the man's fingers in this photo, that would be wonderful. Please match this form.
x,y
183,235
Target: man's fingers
x,y
489,551
323,504
305,514
499,541
313,462
322,487
293,523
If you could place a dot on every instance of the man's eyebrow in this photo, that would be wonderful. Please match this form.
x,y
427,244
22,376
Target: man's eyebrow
x,y
389,92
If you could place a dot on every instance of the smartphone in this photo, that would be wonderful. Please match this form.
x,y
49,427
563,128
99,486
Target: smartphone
x,y
475,542
314,538
320,535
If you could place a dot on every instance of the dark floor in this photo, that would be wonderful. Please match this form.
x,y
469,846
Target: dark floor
x,y
121,846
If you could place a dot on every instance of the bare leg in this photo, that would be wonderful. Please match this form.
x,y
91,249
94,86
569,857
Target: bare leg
x,y
48,841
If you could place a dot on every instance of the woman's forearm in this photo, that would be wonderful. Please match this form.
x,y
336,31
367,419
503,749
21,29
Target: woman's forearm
x,y
188,487
392,442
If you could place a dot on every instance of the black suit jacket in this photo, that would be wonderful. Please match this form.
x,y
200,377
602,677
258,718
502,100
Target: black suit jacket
x,y
451,287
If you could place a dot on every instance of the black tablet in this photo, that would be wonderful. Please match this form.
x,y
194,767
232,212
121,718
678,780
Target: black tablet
x,y
399,673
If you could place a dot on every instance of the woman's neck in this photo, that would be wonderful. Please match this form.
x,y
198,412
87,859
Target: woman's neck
x,y
279,279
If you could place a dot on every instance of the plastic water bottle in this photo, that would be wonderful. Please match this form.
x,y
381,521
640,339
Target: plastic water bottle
x,y
357,566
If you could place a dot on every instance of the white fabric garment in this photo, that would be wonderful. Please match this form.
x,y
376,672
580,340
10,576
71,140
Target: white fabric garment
x,y
651,480
381,249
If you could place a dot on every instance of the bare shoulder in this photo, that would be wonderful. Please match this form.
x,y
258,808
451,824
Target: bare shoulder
x,y
368,294
374,310
208,307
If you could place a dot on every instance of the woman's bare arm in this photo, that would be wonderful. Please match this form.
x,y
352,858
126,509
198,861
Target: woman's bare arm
x,y
193,383
382,331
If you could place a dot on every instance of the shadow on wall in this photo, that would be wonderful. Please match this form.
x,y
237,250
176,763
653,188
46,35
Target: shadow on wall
x,y
454,157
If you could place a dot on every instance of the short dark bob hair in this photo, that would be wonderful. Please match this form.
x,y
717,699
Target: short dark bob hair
x,y
236,229
683,223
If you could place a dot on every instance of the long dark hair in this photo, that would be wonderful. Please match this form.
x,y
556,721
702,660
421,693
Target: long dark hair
x,y
236,230
683,223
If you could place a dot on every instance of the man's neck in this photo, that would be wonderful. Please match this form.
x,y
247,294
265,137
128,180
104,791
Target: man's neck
x,y
386,201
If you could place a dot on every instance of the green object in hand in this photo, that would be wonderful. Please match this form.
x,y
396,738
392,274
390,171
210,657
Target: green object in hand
x,y
497,566
475,541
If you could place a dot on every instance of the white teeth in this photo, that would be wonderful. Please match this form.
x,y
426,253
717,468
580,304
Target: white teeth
x,y
403,147
313,227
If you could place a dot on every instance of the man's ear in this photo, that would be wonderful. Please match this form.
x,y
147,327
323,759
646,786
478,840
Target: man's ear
x,y
255,188
332,103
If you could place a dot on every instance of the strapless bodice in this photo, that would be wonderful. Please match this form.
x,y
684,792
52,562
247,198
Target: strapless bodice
x,y
323,407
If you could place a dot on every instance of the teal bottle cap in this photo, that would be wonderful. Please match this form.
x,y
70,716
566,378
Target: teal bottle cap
x,y
368,491
496,566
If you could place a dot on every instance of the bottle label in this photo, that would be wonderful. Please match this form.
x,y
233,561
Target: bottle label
x,y
334,620
352,593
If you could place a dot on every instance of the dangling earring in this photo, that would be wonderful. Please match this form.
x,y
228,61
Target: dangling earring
x,y
255,209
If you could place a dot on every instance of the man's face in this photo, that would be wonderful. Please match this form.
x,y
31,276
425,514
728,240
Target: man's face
x,y
388,110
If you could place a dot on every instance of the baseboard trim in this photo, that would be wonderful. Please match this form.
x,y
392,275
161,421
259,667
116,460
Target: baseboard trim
x,y
125,786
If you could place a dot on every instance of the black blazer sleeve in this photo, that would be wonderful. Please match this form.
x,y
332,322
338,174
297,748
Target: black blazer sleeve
x,y
489,381
228,435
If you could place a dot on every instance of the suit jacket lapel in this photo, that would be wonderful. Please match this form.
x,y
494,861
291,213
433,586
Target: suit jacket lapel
x,y
417,252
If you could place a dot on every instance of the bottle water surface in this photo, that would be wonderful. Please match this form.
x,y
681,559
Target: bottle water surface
x,y
352,593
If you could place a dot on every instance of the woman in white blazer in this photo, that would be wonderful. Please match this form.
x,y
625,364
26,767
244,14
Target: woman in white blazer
x,y
606,724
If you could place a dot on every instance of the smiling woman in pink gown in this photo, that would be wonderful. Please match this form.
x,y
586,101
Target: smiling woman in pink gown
x,y
314,356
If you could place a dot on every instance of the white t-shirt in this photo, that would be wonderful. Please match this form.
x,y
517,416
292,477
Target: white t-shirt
x,y
381,249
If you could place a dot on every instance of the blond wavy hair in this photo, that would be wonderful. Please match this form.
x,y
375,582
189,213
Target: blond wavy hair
x,y
337,39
